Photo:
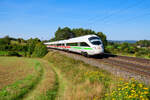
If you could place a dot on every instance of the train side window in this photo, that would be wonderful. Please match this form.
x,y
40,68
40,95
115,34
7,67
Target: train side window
x,y
63,44
58,44
84,44
72,44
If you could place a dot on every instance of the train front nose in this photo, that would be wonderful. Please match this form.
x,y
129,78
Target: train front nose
x,y
99,49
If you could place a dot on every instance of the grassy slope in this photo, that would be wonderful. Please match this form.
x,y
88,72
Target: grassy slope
x,y
82,81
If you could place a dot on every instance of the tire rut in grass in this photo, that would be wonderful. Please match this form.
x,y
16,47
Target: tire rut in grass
x,y
44,90
63,85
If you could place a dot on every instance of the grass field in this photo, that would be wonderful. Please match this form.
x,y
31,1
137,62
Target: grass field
x,y
58,77
24,78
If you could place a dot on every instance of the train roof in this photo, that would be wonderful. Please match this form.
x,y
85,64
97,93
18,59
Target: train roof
x,y
76,39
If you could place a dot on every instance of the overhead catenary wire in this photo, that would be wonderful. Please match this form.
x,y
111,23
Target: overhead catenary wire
x,y
118,11
98,15
136,17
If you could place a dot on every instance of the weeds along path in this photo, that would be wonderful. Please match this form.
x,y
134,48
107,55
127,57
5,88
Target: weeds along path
x,y
47,88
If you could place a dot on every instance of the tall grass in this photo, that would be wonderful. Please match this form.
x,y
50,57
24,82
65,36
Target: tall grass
x,y
85,82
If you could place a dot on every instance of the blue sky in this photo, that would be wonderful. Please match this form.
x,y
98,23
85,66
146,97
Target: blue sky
x,y
118,19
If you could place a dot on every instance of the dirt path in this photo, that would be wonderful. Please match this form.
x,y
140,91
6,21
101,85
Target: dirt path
x,y
63,84
47,82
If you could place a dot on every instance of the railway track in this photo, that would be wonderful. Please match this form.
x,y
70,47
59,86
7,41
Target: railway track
x,y
132,64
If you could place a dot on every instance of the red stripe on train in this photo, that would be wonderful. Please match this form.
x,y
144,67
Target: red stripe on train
x,y
59,46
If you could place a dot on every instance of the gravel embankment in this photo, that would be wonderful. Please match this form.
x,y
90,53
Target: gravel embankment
x,y
112,69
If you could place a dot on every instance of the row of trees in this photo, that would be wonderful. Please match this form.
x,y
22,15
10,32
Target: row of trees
x,y
143,43
128,48
21,47
66,33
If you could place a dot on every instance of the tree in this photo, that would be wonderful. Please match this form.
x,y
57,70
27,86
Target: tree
x,y
124,47
144,43
5,41
40,50
62,34
31,43
80,32
103,37
66,33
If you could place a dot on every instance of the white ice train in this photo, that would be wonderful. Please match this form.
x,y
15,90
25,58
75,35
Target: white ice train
x,y
86,45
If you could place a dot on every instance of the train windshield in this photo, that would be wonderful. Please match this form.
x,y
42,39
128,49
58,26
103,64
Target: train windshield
x,y
95,40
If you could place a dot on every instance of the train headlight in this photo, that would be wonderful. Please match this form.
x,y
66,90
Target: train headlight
x,y
98,47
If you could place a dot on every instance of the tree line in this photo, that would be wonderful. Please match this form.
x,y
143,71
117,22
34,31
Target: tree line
x,y
20,47
66,33
139,49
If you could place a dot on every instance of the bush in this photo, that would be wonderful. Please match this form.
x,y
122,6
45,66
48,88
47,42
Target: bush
x,y
137,54
148,55
9,53
40,50
13,53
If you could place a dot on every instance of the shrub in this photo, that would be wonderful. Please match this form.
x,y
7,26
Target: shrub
x,y
148,55
13,53
137,54
40,50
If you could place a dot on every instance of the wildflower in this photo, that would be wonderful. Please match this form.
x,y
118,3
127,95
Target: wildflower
x,y
145,92
132,79
141,96
126,87
145,88
132,91
133,85
121,79
140,85
129,96
126,83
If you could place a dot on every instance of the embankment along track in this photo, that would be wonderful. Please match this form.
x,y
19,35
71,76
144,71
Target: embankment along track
x,y
123,66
